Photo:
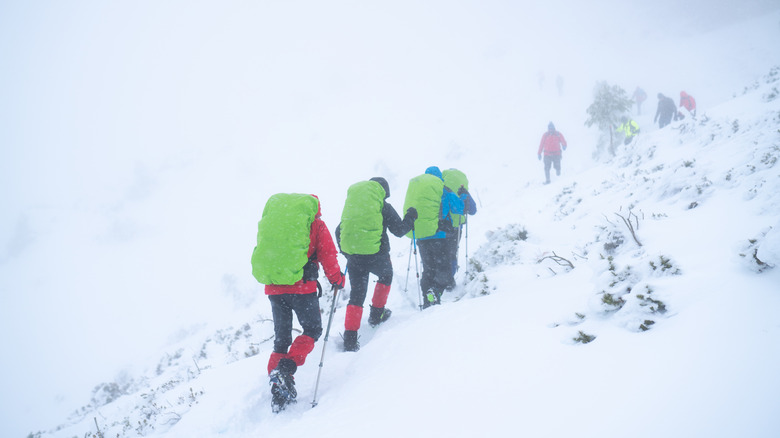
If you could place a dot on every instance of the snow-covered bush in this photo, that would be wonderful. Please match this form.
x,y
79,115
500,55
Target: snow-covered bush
x,y
664,266
763,251
503,246
155,401
584,338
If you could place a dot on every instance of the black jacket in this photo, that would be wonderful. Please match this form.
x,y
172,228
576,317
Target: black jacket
x,y
666,109
390,221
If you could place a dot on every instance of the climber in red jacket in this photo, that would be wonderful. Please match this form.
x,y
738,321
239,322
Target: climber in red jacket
x,y
551,144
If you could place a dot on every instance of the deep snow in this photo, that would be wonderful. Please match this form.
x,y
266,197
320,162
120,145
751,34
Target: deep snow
x,y
131,217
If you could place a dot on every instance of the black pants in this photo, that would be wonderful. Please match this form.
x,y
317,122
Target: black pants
x,y
554,161
306,308
437,269
358,268
452,240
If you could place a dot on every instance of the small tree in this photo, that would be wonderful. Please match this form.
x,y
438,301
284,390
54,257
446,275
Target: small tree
x,y
610,102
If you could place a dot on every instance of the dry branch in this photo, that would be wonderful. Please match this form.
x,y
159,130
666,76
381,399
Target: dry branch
x,y
558,259
630,225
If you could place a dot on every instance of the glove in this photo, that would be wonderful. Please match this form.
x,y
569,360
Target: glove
x,y
411,213
540,157
339,284
564,148
462,190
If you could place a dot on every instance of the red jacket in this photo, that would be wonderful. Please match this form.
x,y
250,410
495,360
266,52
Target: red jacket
x,y
321,244
687,101
551,143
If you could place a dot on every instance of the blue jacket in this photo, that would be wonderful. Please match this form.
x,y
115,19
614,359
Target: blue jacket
x,y
450,203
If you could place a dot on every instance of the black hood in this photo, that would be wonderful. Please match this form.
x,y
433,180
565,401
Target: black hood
x,y
382,182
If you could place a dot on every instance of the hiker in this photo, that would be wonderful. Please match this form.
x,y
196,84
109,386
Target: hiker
x,y
688,102
362,238
629,128
639,96
454,180
666,110
292,241
551,144
434,203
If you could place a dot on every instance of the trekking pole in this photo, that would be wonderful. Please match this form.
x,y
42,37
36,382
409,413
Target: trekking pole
x,y
416,269
467,244
457,247
408,266
325,341
467,235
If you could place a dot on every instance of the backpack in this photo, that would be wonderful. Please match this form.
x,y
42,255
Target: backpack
x,y
362,223
454,179
283,238
424,194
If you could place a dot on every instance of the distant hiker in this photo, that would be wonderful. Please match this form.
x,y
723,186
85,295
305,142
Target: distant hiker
x,y
666,110
435,204
292,241
456,181
362,237
628,128
688,102
551,144
639,96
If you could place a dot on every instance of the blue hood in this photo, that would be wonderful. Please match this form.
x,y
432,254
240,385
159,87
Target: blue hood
x,y
433,170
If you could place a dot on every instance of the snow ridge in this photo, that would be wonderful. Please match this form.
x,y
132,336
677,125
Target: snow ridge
x,y
608,225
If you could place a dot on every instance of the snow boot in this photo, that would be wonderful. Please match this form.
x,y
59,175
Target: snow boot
x,y
430,298
282,384
351,340
378,315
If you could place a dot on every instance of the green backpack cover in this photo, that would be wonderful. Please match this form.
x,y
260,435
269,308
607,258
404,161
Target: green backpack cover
x,y
361,219
424,194
283,238
453,180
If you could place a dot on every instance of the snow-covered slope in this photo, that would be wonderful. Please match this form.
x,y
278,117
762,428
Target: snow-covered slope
x,y
635,298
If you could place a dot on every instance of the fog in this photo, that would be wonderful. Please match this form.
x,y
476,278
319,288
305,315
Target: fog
x,y
140,140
